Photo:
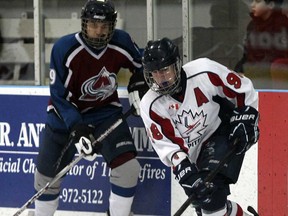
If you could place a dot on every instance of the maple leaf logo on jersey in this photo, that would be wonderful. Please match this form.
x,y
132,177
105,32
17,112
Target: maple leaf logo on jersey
x,y
99,87
191,126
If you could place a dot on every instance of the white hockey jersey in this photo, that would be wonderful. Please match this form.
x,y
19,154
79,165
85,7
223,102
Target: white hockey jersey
x,y
173,126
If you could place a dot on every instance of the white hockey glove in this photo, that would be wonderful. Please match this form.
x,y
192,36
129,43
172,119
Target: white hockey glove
x,y
85,146
134,100
137,87
82,135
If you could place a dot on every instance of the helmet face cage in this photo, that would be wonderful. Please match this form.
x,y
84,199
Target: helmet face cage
x,y
101,41
97,11
157,56
171,87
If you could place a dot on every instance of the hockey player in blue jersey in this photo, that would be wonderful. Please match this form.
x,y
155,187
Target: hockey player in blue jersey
x,y
84,103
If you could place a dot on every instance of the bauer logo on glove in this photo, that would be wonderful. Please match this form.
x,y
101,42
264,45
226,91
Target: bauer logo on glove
x,y
244,117
244,127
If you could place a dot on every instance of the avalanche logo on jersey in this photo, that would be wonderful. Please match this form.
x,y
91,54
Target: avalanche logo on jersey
x,y
99,87
191,126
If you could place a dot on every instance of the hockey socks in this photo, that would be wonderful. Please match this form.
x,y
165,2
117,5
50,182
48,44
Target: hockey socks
x,y
46,208
123,181
120,206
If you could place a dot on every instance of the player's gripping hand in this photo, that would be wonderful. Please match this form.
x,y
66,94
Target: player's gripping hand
x,y
202,191
82,136
85,146
244,127
137,87
188,177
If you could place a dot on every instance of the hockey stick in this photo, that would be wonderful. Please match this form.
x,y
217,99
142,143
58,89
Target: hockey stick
x,y
74,162
209,177
252,211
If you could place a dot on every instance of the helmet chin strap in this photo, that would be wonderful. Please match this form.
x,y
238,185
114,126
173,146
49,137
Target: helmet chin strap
x,y
177,90
181,85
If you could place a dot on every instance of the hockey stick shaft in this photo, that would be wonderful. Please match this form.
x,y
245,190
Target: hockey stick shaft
x,y
252,210
74,162
209,177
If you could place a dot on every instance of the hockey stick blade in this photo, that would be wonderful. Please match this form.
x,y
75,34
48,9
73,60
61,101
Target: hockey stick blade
x,y
252,211
209,177
73,163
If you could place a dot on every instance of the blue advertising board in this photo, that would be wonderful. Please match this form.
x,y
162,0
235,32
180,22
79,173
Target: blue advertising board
x,y
86,186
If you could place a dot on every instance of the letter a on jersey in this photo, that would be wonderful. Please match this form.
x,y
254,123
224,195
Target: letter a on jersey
x,y
200,97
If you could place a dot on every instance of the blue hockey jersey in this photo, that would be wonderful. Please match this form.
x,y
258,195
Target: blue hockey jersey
x,y
83,81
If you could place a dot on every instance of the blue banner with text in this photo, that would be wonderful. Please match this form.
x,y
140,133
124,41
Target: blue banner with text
x,y
86,186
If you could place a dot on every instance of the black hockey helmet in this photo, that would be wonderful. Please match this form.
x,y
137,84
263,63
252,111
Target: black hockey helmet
x,y
157,55
98,11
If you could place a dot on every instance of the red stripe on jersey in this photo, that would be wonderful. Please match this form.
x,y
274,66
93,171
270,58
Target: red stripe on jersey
x,y
239,211
167,129
216,80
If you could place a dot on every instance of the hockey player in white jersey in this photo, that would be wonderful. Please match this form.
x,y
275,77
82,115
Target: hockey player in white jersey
x,y
192,114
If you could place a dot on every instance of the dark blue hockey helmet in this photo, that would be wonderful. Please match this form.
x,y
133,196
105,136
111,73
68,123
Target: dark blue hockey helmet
x,y
159,55
98,11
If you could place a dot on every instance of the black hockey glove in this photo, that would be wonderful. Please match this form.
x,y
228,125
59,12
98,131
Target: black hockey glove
x,y
192,182
82,136
244,127
137,87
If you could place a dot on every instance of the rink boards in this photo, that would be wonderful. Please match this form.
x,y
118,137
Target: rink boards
x,y
86,188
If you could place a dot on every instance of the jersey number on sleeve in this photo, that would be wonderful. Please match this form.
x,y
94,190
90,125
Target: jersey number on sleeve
x,y
234,80
156,134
